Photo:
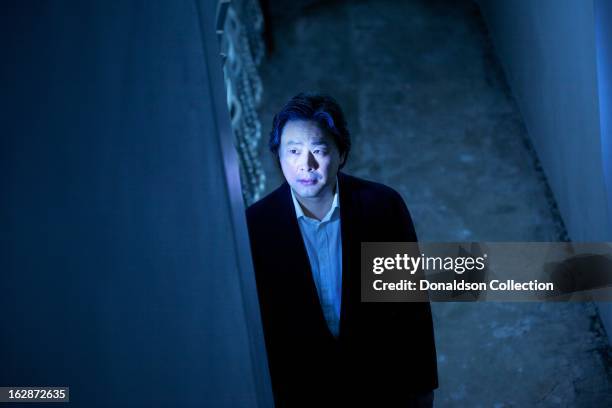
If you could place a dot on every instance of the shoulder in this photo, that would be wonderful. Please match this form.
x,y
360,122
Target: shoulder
x,y
379,208
269,203
369,191
270,211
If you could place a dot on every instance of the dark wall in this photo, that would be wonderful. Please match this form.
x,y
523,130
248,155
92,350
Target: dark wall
x,y
125,272
557,60
548,51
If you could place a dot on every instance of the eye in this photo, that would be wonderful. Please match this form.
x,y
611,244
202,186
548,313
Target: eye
x,y
293,151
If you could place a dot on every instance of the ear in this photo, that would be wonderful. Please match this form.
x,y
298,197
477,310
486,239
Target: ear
x,y
342,159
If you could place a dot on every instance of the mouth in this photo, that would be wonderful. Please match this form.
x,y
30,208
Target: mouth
x,y
307,182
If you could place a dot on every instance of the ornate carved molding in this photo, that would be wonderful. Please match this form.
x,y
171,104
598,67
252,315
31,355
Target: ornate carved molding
x,y
239,27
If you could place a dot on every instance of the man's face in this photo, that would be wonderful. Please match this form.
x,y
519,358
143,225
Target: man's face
x,y
309,159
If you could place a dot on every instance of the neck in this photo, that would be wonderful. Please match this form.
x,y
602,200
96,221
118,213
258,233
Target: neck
x,y
317,207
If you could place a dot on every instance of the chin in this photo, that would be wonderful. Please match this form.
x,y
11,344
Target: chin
x,y
307,192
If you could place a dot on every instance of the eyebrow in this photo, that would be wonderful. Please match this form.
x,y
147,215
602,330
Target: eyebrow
x,y
320,143
317,143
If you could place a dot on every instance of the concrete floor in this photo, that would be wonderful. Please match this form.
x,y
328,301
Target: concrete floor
x,y
431,115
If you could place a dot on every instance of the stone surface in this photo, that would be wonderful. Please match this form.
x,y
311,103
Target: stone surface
x,y
431,115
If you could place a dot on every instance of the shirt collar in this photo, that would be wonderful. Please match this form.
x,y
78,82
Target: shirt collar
x,y
335,204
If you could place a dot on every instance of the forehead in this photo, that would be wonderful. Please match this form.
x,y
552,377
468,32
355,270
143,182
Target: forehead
x,y
304,131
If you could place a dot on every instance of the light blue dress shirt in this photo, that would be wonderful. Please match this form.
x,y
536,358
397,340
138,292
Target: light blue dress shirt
x,y
323,241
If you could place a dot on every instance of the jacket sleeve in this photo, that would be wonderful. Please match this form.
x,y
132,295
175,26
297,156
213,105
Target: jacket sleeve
x,y
417,314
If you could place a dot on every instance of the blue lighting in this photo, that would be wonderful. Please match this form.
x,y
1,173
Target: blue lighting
x,y
603,44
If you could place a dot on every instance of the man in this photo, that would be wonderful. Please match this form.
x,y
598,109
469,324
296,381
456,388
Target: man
x,y
325,347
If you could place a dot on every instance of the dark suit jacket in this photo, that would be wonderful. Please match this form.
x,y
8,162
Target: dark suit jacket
x,y
384,350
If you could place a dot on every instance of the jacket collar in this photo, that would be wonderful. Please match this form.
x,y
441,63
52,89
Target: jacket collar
x,y
299,212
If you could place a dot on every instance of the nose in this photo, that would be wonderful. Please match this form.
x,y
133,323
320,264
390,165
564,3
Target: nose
x,y
308,162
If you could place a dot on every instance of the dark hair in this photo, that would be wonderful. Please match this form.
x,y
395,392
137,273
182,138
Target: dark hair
x,y
322,109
